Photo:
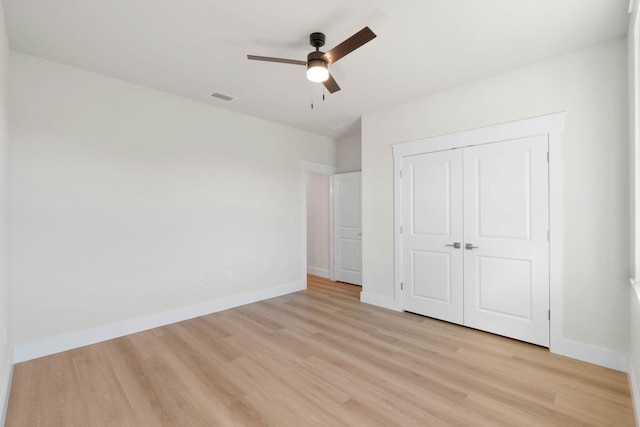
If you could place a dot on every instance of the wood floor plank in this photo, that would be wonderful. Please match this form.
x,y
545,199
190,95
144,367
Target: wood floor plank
x,y
106,403
26,392
132,373
57,378
315,358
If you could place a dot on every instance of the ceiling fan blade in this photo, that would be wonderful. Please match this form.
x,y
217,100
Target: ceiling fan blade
x,y
331,84
363,36
282,60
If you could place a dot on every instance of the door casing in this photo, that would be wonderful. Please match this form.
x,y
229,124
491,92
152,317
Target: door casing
x,y
550,125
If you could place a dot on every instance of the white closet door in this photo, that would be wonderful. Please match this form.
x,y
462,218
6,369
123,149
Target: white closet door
x,y
432,227
506,256
492,199
347,228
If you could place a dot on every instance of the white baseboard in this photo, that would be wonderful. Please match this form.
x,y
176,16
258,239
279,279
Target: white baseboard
x,y
322,272
57,344
588,353
384,302
7,376
585,352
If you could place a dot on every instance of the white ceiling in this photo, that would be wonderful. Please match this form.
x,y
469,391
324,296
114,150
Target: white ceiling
x,y
192,48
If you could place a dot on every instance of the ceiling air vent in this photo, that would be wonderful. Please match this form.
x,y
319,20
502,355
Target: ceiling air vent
x,y
222,96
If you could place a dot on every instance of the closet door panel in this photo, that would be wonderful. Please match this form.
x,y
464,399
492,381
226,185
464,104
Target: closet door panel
x,y
432,225
506,220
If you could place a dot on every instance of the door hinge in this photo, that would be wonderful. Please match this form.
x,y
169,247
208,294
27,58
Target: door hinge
x,y
549,314
547,157
401,286
548,235
400,173
400,229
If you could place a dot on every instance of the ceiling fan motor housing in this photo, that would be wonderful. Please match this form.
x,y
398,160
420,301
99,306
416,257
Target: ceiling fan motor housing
x,y
315,56
316,40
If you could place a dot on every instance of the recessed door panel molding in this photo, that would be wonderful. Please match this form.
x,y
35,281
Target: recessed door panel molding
x,y
431,201
347,228
505,287
481,200
432,276
348,192
503,176
351,255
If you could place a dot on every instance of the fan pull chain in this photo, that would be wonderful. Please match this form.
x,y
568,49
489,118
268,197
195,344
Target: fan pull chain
x,y
313,93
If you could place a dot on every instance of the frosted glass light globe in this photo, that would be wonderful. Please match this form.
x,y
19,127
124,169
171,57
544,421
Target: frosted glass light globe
x,y
317,71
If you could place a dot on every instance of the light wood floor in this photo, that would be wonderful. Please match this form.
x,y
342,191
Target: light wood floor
x,y
315,358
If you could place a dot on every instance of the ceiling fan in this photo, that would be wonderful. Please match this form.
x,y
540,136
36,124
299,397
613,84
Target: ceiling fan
x,y
317,62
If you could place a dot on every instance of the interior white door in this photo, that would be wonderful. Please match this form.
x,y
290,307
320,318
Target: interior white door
x,y
432,235
347,228
506,223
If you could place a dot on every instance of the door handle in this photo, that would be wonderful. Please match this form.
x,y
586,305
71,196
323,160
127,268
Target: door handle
x,y
456,245
469,246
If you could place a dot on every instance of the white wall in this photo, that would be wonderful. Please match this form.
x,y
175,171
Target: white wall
x,y
633,57
5,294
591,86
122,197
349,153
318,224
633,37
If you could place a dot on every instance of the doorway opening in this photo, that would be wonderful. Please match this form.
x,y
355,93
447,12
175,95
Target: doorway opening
x,y
314,174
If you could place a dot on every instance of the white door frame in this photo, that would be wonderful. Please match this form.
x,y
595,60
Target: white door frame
x,y
550,125
320,169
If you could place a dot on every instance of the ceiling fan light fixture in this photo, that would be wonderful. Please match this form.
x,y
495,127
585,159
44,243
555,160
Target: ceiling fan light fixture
x,y
318,62
317,71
